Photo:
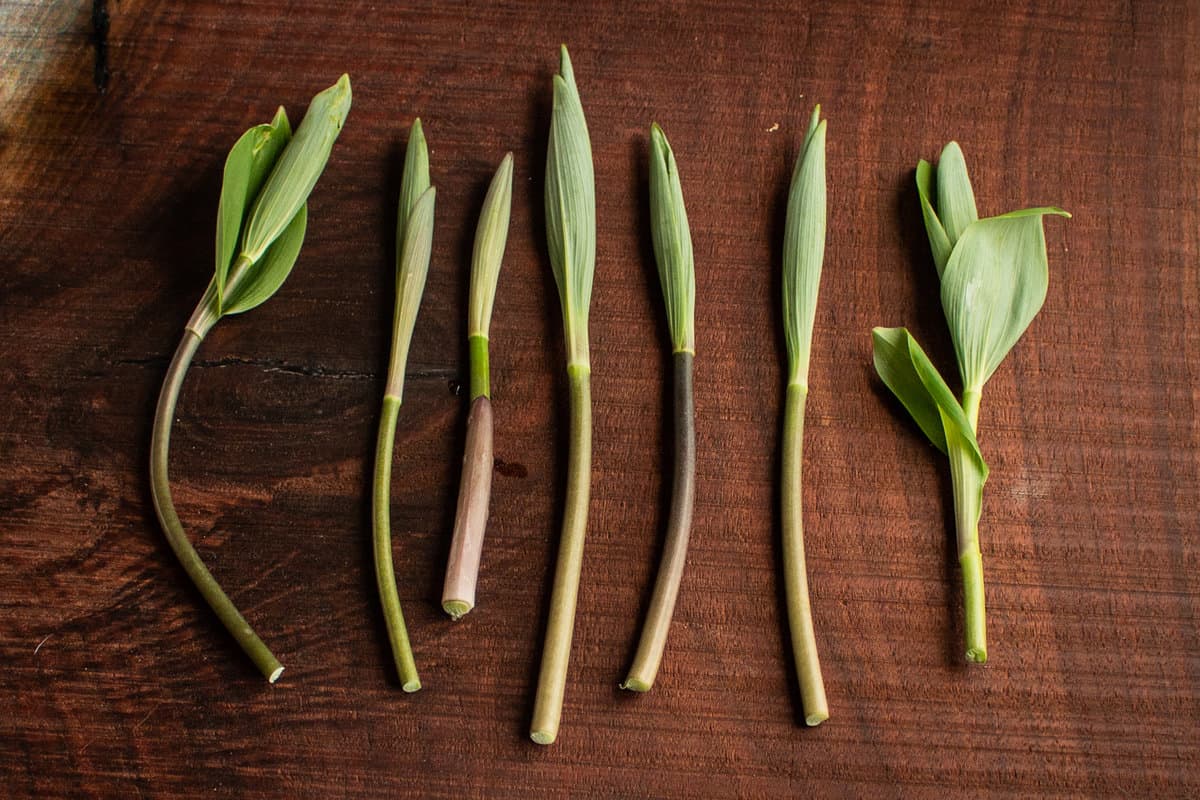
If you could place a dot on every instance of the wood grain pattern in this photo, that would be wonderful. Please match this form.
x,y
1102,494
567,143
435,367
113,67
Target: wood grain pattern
x,y
117,683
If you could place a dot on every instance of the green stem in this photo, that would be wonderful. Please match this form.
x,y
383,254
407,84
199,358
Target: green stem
x,y
795,574
547,706
160,443
385,574
666,588
968,506
481,383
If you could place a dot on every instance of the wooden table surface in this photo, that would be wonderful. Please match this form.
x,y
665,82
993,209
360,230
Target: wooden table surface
x,y
115,680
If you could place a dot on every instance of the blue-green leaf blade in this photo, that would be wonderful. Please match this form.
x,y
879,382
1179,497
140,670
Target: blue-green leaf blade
x,y
994,285
246,168
907,371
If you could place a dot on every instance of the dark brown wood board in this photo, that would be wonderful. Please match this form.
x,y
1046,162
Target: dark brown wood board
x,y
115,681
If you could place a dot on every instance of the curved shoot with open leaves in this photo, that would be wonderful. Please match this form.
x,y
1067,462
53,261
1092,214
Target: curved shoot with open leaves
x,y
676,271
475,489
262,217
414,245
994,276
571,240
803,257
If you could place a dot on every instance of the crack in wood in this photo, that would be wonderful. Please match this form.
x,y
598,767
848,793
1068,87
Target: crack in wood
x,y
275,365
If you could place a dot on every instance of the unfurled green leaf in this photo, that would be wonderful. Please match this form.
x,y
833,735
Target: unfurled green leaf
x,y
907,371
994,284
571,210
410,285
491,235
414,181
264,277
672,242
246,168
296,172
804,248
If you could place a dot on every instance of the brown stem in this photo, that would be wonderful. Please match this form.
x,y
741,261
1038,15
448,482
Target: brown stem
x,y
470,522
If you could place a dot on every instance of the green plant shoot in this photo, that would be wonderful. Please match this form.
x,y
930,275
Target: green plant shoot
x,y
475,488
571,240
994,277
261,217
803,257
414,244
676,271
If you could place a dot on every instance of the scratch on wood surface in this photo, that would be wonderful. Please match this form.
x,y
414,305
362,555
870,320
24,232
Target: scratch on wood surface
x,y
42,642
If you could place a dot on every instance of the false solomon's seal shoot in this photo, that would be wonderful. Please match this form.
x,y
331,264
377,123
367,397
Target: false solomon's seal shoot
x,y
571,240
414,243
994,276
676,271
475,490
261,219
803,256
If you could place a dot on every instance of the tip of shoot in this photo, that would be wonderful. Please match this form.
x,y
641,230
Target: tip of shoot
x,y
542,737
815,719
457,609
412,686
977,655
274,676
635,685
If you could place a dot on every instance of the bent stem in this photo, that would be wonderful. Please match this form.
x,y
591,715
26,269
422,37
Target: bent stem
x,y
552,679
666,588
795,574
385,575
160,444
968,506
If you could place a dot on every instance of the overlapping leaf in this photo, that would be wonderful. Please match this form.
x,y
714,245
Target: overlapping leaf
x,y
571,210
672,242
246,169
907,371
804,248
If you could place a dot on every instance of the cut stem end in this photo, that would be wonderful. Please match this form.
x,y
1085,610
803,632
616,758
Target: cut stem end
x,y
633,684
457,609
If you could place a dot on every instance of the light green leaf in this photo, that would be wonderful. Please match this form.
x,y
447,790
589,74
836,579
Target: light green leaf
x,y
491,235
246,168
410,285
907,371
804,249
672,242
994,285
296,172
414,181
571,211
955,198
258,282
939,242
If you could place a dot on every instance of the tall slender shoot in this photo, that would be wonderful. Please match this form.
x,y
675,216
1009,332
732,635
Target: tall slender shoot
x,y
676,271
803,256
414,243
571,240
475,488
261,219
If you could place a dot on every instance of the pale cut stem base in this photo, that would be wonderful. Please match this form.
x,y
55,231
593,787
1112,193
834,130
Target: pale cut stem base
x,y
795,573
